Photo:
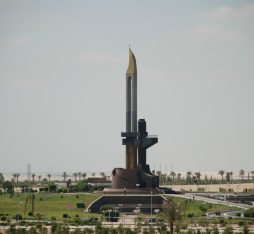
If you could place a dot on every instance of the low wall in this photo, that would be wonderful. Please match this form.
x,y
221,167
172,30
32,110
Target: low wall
x,y
214,187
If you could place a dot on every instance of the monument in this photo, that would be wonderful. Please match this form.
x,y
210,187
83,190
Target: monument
x,y
136,140
133,185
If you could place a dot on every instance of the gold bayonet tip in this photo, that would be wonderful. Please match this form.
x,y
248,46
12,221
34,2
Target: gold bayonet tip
x,y
132,68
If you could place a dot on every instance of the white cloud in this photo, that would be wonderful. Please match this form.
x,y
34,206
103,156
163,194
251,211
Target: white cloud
x,y
21,40
218,32
226,13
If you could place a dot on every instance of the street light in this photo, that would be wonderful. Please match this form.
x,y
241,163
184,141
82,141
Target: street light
x,y
137,186
156,211
120,206
151,204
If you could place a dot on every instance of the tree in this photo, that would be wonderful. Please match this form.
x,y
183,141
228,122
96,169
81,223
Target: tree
x,y
14,177
228,176
171,214
79,176
49,176
84,175
17,175
198,176
179,177
8,187
64,176
75,176
245,229
252,175
102,174
93,174
1,178
188,176
221,173
228,230
231,175
39,178
241,174
173,174
33,176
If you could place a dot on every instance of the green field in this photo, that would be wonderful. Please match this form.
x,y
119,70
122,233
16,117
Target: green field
x,y
56,204
194,207
47,205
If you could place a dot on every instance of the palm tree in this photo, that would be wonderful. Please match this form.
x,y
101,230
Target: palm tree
x,y
75,176
198,176
83,175
102,174
93,174
171,214
252,175
221,173
241,174
49,176
179,177
228,176
231,175
14,177
64,176
173,174
39,178
79,176
33,176
17,177
188,176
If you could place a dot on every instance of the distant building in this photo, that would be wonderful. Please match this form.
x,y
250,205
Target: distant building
x,y
99,181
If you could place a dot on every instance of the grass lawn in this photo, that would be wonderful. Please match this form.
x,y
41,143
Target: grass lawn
x,y
193,207
47,204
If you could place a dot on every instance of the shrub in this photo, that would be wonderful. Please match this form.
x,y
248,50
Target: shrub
x,y
190,215
65,216
18,217
3,218
228,230
249,213
241,223
203,208
80,205
30,213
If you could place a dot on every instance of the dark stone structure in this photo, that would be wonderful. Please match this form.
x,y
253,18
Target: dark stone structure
x,y
140,176
137,172
147,203
135,184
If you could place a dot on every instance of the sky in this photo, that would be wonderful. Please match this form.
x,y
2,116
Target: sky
x,y
62,83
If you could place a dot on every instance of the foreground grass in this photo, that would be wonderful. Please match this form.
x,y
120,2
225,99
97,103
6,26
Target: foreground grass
x,y
47,205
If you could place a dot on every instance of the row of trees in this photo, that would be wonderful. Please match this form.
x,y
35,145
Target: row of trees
x,y
196,177
78,176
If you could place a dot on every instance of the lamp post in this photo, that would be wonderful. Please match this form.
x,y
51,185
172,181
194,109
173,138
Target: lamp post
x,y
120,206
137,186
151,204
156,211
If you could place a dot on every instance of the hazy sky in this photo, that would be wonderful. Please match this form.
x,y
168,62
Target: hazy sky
x,y
62,83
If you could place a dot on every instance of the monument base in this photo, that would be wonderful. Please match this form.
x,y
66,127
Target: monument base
x,y
140,178
129,203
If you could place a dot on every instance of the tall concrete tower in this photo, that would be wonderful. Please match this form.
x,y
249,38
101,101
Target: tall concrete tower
x,y
131,110
136,141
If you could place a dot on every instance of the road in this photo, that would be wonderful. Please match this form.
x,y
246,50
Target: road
x,y
211,200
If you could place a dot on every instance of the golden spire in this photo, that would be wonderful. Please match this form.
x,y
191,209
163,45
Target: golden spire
x,y
132,68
